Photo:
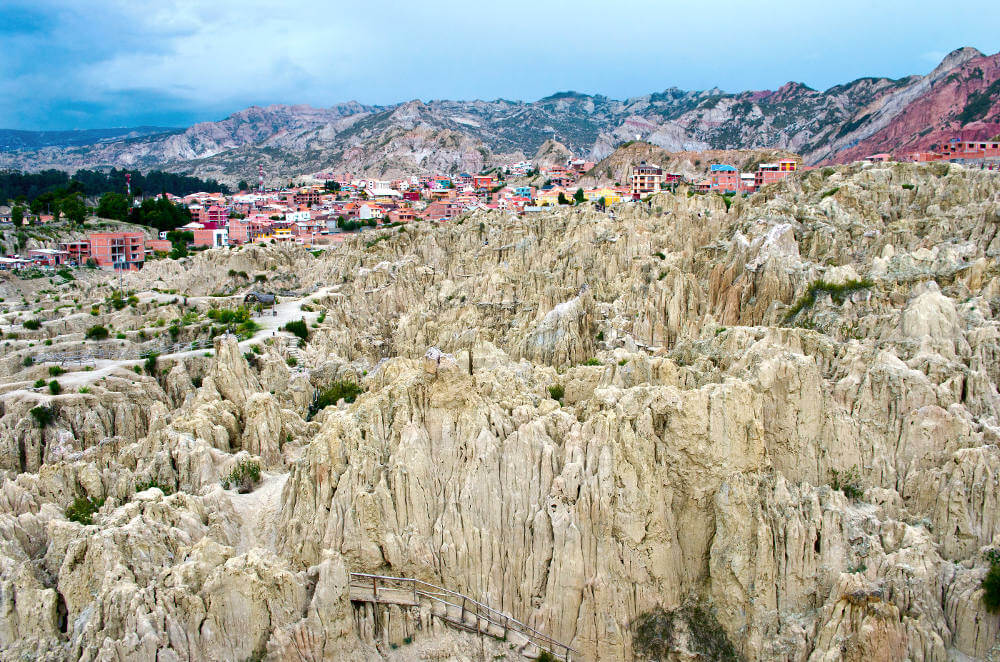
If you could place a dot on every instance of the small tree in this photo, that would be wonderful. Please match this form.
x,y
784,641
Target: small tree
x,y
74,209
17,215
113,205
563,200
243,185
579,197
97,332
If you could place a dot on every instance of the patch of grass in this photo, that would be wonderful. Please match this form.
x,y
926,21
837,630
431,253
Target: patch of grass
x,y
848,482
592,361
347,391
84,389
142,486
82,510
838,292
244,477
298,328
557,392
43,416
292,361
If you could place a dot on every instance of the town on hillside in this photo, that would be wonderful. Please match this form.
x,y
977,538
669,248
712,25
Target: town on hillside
x,y
321,214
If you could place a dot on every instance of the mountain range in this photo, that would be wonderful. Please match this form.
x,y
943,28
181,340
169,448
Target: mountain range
x,y
961,96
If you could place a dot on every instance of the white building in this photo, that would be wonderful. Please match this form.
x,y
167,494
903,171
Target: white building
x,y
298,216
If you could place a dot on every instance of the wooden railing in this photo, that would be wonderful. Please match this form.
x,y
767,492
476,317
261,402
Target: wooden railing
x,y
394,588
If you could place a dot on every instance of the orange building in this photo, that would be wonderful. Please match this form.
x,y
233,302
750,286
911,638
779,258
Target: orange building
x,y
120,250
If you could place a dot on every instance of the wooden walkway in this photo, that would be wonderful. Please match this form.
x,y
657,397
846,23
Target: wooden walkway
x,y
459,611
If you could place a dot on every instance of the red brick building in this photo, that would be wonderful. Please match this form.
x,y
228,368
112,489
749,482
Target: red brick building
x,y
119,250
77,251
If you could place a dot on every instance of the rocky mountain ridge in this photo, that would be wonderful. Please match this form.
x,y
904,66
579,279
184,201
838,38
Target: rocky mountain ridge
x,y
836,125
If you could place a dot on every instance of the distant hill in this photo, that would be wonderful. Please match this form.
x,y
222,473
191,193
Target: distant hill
x,y
12,140
840,124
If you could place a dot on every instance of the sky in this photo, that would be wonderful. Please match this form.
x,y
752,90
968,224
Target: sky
x,y
80,64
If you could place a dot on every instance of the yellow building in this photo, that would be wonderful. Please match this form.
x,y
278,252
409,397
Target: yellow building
x,y
610,195
550,197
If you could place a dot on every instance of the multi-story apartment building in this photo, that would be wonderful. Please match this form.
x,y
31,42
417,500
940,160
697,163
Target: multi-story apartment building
x,y
646,178
118,250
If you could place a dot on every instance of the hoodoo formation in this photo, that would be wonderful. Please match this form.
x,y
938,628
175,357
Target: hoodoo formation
x,y
760,428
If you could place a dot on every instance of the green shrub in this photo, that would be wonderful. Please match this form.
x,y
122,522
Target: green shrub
x,y
592,361
600,336
84,389
655,634
556,392
848,482
82,510
244,477
43,415
347,391
66,274
292,361
97,332
908,187
827,194
32,325
298,328
142,486
55,370
545,656
28,361
838,293
54,387
150,364
991,583
39,383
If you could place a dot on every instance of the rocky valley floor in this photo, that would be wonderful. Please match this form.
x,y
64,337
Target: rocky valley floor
x,y
759,429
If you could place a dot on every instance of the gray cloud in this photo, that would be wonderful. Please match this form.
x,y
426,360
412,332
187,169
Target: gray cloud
x,y
70,64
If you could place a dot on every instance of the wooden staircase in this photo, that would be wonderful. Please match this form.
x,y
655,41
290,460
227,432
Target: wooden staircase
x,y
459,611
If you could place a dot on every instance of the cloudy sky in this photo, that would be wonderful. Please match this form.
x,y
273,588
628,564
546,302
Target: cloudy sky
x,y
102,63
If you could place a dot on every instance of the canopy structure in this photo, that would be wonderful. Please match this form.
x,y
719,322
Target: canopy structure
x,y
262,298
